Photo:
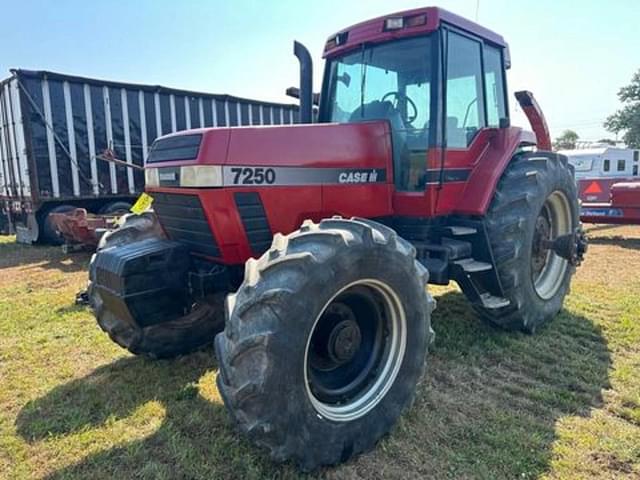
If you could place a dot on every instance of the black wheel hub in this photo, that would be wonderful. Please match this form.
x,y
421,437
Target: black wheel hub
x,y
540,248
344,341
347,346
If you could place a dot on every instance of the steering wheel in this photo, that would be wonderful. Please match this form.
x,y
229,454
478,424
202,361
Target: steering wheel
x,y
398,96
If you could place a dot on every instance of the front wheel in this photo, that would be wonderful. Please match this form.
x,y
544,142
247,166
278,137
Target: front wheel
x,y
325,341
535,203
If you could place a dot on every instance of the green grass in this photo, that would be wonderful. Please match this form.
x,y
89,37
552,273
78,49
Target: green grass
x,y
564,403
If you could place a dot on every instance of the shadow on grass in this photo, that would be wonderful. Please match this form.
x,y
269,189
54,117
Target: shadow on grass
x,y
14,254
195,438
616,241
600,227
491,400
71,309
488,408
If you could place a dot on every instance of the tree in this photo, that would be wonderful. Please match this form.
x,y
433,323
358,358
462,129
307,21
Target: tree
x,y
566,141
627,119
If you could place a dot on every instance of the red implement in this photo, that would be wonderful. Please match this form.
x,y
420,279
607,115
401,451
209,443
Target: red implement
x,y
81,229
624,207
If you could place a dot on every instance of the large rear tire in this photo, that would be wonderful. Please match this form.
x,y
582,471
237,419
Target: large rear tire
x,y
535,201
325,341
177,337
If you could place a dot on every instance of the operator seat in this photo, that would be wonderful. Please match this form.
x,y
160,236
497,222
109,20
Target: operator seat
x,y
456,137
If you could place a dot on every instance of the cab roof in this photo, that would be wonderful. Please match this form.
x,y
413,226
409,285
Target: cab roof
x,y
417,21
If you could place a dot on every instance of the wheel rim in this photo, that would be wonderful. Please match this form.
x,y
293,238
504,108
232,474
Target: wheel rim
x,y
547,268
355,350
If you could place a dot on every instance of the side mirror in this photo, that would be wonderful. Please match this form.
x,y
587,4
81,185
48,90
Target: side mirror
x,y
345,78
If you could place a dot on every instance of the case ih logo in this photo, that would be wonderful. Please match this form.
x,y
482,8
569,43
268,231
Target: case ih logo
x,y
368,176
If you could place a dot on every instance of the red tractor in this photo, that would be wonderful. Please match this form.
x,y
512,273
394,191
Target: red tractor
x,y
322,236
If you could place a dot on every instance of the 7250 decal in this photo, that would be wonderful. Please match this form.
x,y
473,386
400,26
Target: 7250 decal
x,y
250,176
253,175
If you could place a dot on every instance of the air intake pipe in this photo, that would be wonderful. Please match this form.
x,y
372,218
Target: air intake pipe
x,y
306,81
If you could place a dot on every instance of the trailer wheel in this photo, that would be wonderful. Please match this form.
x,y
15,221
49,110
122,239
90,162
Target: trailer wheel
x,y
48,233
325,341
194,330
535,201
115,208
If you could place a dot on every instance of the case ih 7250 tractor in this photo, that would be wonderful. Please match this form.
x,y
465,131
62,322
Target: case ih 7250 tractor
x,y
311,245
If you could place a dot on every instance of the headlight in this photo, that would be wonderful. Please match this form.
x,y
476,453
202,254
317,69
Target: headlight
x,y
151,178
201,176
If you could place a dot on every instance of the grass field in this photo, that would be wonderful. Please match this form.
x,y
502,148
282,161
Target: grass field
x,y
564,403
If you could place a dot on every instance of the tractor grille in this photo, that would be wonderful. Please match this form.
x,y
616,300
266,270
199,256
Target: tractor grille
x,y
183,219
254,220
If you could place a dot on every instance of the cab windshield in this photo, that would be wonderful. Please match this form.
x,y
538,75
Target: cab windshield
x,y
390,81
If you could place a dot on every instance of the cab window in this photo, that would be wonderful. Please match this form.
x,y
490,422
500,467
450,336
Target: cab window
x,y
494,86
392,82
465,99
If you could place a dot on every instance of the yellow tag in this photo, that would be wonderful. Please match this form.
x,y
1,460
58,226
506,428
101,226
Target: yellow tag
x,y
142,204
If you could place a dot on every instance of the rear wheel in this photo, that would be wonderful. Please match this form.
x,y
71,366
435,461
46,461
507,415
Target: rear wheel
x,y
535,202
115,208
195,329
325,341
48,232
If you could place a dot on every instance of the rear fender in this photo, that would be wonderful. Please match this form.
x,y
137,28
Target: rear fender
x,y
485,175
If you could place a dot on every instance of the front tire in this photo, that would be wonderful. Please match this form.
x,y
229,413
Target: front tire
x,y
535,201
325,341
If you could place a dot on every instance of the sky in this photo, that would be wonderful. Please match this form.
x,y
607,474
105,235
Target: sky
x,y
573,55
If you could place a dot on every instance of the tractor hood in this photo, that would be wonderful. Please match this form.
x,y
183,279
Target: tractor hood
x,y
274,155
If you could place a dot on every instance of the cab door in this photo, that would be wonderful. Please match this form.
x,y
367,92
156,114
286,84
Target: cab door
x,y
474,110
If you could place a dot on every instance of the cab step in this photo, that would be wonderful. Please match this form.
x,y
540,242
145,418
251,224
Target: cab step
x,y
470,265
459,231
492,302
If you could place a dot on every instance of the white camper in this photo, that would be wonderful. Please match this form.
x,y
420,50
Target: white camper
x,y
598,168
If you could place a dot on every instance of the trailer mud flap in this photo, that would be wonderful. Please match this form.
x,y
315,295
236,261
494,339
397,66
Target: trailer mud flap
x,y
145,282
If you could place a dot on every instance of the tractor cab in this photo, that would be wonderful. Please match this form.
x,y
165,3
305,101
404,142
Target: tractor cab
x,y
439,81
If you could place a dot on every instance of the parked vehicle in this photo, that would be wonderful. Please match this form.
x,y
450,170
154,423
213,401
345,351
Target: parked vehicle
x,y
59,135
322,237
596,169
607,183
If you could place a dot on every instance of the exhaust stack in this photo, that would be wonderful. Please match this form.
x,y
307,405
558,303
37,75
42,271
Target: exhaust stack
x,y
536,118
306,81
